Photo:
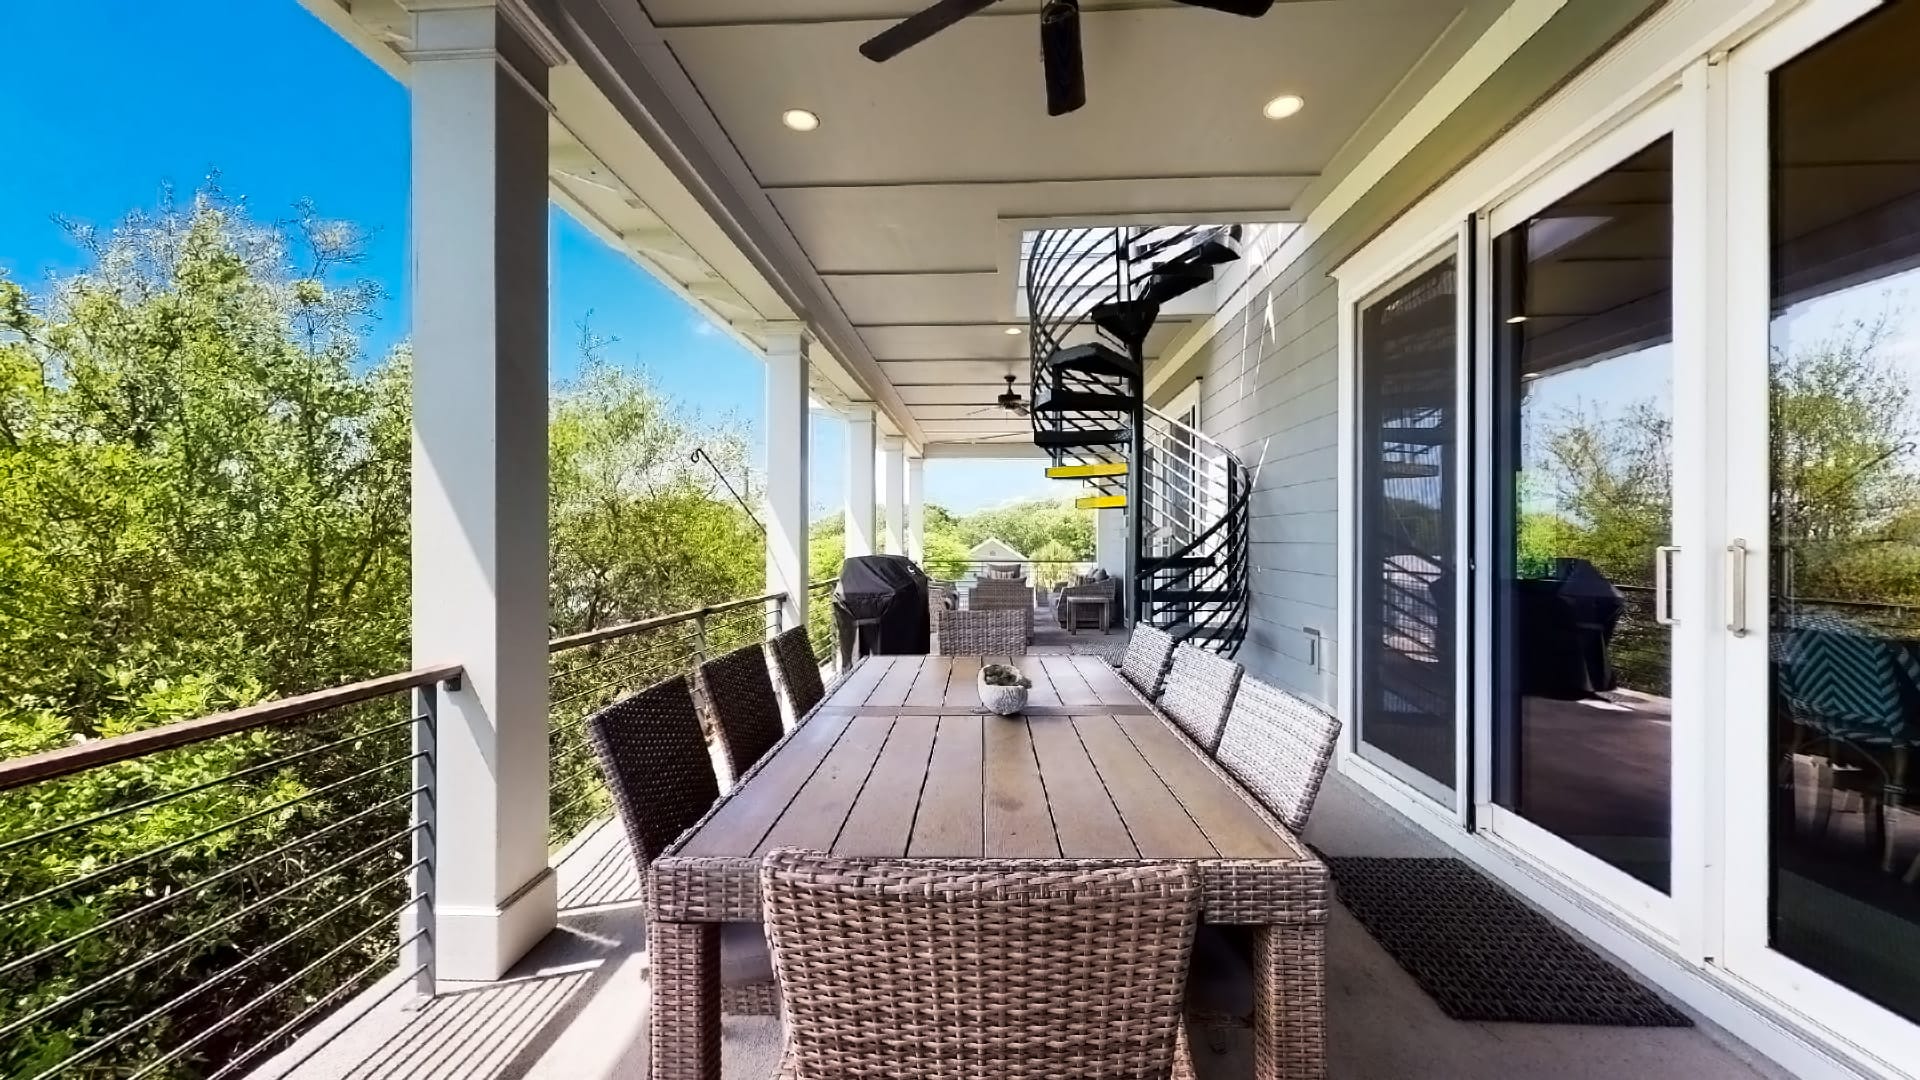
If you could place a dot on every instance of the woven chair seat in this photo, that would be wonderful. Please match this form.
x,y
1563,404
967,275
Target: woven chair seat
x,y
979,633
1149,654
1278,747
738,694
1053,969
654,759
1197,693
799,671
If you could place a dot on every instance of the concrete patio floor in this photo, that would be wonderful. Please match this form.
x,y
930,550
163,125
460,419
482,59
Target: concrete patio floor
x,y
576,1008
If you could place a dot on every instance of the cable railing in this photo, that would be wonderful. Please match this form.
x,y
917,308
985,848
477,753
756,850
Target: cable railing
x,y
187,899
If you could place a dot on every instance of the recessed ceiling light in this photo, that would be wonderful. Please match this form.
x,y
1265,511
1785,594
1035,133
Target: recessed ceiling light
x,y
1530,376
1516,320
1283,106
1013,331
800,119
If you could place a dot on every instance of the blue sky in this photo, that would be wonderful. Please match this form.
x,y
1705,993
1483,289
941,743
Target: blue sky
x,y
169,95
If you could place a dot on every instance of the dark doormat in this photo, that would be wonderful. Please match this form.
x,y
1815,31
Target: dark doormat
x,y
1482,954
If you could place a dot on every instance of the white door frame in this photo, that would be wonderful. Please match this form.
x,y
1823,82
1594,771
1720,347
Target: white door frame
x,y
1640,904
1356,294
1746,749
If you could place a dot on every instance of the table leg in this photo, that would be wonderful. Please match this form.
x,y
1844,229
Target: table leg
x,y
684,961
1289,1002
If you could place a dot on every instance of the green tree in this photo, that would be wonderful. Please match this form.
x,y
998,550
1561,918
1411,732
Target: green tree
x,y
203,501
1031,525
638,527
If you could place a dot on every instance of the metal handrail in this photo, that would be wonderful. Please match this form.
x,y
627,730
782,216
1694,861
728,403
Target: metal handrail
x,y
78,758
608,633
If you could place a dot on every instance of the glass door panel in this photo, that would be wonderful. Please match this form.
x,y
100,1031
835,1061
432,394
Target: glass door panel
x,y
1843,434
1583,433
1408,505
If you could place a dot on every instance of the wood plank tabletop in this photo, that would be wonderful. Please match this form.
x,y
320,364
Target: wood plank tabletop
x,y
946,685
901,762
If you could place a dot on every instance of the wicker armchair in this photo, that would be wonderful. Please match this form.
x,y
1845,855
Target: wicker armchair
x,y
655,763
979,633
1278,747
1107,588
1003,596
799,671
1149,652
738,694
1198,692
963,966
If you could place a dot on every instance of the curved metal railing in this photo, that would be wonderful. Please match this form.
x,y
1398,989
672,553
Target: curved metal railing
x,y
1097,286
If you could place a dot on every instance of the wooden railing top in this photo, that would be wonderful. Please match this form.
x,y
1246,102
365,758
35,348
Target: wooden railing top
x,y
68,760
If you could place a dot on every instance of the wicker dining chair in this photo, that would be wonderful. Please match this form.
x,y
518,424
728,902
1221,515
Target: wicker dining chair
x,y
979,633
654,760
1149,652
971,970
1278,747
1197,693
799,671
738,695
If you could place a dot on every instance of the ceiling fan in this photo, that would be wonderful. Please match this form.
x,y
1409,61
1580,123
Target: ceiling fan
x,y
1059,39
1009,401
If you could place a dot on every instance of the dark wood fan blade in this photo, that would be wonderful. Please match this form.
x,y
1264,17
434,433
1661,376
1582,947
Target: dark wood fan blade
x,y
1252,9
1060,51
917,28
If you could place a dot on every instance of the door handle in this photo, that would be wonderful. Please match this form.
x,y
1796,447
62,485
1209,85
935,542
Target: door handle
x,y
1737,588
1662,575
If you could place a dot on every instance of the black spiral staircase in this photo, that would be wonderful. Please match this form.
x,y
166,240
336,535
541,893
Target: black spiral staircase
x,y
1093,298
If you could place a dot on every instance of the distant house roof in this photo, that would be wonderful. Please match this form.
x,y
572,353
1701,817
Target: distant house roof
x,y
995,548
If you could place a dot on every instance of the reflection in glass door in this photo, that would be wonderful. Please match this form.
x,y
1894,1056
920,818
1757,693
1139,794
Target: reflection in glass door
x,y
1843,428
1583,431
1408,505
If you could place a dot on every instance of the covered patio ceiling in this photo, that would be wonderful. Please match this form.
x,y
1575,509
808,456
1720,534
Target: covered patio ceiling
x,y
893,230
907,204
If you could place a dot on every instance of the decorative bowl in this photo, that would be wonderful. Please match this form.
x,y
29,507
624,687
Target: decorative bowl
x,y
1003,689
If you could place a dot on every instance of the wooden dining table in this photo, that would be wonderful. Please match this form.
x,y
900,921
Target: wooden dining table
x,y
900,761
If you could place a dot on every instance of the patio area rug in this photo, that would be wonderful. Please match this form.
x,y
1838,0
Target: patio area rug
x,y
1482,954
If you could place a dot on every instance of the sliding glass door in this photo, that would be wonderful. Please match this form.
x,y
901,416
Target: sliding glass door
x,y
1407,525
1823,601
1582,430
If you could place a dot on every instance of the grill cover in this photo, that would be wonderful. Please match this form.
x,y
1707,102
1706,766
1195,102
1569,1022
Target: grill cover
x,y
880,607
1566,626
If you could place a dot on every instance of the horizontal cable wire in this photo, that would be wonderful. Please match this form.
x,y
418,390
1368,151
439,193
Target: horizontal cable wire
x,y
327,999
168,950
54,890
276,763
177,1052
200,886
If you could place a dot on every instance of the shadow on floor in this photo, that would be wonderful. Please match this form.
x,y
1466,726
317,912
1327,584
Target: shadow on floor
x,y
576,1008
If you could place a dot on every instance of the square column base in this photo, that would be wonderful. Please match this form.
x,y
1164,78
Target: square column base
x,y
475,944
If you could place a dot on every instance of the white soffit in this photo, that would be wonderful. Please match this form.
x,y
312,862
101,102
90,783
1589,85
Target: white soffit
x,y
909,200
598,168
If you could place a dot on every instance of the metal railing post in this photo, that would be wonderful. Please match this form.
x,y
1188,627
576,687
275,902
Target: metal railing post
x,y
416,926
699,637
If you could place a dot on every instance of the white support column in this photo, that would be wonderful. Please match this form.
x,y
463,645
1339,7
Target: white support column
x,y
917,509
479,263
785,508
861,535
893,491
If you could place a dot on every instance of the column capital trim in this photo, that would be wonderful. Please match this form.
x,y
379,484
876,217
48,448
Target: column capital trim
x,y
518,16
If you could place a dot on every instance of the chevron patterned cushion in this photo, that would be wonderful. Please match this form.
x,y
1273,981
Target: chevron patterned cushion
x,y
1847,680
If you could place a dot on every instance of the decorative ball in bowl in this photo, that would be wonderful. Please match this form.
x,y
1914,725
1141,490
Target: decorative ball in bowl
x,y
1003,689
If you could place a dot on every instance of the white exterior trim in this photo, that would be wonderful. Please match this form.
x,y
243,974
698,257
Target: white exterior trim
x,y
1671,74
